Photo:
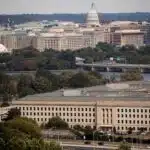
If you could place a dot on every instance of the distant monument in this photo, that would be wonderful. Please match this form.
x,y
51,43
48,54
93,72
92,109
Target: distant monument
x,y
92,18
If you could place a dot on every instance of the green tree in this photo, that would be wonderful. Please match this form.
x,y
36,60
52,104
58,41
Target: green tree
x,y
12,114
134,75
42,84
57,123
25,126
2,144
21,134
79,80
124,146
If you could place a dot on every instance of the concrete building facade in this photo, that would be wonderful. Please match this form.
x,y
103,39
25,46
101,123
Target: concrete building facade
x,y
103,110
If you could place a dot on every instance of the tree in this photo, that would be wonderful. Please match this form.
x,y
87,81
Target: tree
x,y
79,80
78,128
114,130
12,114
21,134
88,132
124,146
2,144
57,122
134,75
130,130
41,85
25,126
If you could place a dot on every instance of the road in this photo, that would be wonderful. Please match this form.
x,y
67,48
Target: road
x,y
79,145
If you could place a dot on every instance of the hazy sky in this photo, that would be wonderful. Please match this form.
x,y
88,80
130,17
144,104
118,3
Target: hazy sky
x,y
72,6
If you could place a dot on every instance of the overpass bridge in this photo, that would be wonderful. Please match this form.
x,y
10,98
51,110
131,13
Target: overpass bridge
x,y
67,146
112,67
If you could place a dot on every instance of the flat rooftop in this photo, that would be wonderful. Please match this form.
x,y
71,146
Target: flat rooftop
x,y
121,91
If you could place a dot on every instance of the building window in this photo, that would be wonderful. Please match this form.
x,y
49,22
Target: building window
x,y
30,108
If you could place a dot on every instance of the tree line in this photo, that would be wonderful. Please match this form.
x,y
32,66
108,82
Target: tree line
x,y
44,81
13,87
28,59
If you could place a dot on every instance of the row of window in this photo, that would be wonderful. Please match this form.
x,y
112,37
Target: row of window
x,y
133,116
57,109
58,114
133,121
134,128
134,110
107,121
67,120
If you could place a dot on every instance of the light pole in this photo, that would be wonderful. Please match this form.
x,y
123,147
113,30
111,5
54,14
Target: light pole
x,y
94,139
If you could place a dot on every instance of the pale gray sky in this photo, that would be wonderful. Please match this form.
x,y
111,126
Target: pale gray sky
x,y
72,6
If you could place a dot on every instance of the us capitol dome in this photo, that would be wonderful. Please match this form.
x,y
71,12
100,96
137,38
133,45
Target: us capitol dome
x,y
92,17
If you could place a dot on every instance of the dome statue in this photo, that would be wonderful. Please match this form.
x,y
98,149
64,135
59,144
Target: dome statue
x,y
3,49
92,17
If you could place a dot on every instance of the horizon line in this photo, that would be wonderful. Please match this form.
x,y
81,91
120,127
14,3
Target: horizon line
x,y
72,13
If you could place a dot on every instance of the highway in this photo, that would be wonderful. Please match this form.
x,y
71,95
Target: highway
x,y
115,65
73,146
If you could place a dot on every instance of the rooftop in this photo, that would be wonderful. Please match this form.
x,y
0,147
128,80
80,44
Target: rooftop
x,y
128,31
124,91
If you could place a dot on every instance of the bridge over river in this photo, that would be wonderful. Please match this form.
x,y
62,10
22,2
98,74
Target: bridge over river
x,y
114,67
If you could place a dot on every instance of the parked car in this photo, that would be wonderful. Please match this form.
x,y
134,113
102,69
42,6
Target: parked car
x,y
87,142
100,143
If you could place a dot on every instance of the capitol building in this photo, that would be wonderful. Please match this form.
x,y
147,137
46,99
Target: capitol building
x,y
92,19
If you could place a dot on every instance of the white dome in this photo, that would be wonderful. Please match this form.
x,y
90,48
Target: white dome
x,y
3,49
92,16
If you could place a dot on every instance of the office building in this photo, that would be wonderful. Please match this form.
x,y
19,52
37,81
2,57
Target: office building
x,y
59,41
123,106
130,37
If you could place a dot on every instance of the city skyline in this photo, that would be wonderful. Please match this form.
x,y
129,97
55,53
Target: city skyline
x,y
72,6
